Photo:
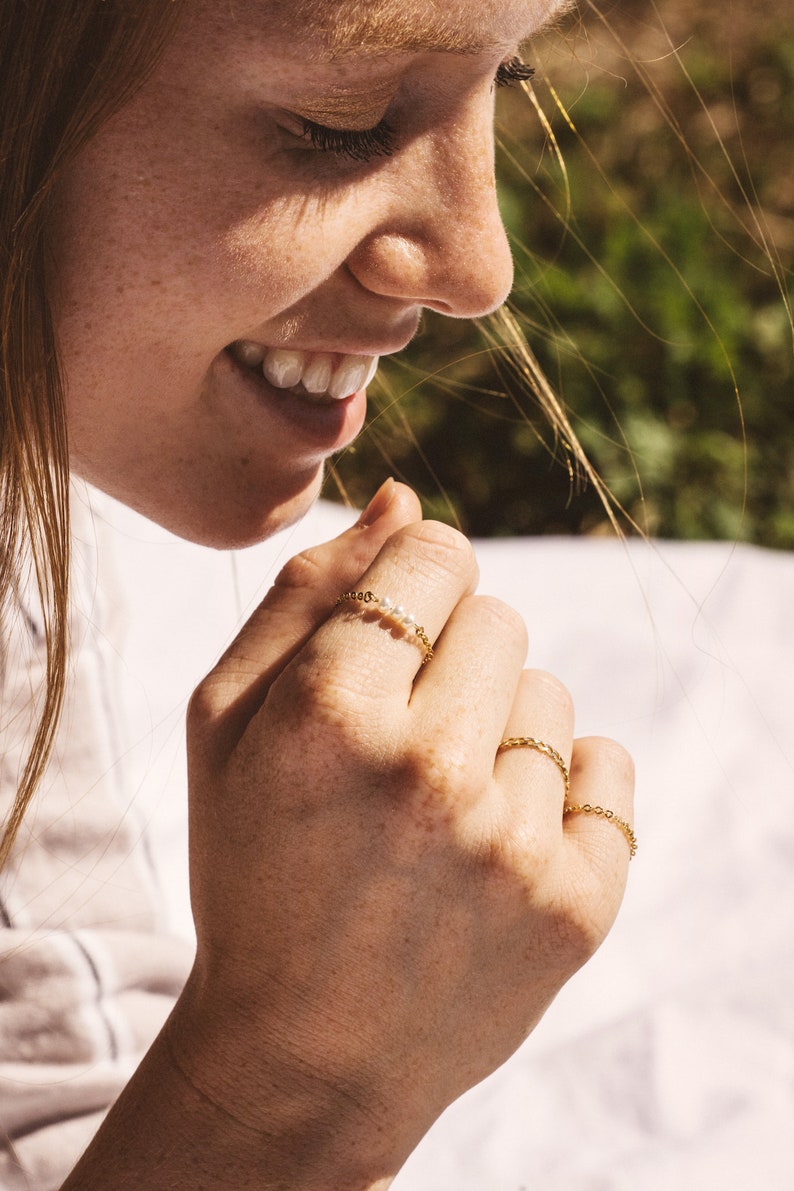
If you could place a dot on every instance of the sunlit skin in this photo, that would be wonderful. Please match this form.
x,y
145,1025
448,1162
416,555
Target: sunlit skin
x,y
200,216
385,902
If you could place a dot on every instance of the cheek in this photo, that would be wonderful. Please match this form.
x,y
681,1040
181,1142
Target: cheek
x,y
121,255
287,249
167,249
193,275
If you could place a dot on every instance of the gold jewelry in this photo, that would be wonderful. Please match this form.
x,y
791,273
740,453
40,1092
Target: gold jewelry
x,y
392,612
610,816
540,746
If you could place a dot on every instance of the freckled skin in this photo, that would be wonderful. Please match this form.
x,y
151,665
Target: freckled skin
x,y
197,217
384,903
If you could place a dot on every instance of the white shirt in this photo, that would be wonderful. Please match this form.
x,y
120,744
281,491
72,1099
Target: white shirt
x,y
668,1062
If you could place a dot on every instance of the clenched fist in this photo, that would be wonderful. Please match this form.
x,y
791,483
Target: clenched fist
x,y
385,901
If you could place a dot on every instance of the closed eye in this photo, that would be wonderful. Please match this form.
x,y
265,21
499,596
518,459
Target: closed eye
x,y
366,144
359,145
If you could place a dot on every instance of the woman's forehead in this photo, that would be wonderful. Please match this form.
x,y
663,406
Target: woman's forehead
x,y
347,27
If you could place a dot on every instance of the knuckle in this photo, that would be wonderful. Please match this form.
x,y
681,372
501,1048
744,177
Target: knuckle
x,y
204,703
614,764
499,619
326,696
578,924
555,695
208,711
579,935
444,773
304,684
439,549
620,761
304,570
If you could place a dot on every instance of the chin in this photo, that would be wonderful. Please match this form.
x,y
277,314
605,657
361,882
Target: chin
x,y
229,518
237,533
232,526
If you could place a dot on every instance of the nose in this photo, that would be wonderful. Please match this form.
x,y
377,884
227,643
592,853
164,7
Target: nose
x,y
441,243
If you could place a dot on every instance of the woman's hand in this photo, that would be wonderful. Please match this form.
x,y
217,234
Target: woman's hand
x,y
384,906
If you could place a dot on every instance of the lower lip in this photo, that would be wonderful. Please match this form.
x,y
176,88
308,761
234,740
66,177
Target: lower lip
x,y
324,428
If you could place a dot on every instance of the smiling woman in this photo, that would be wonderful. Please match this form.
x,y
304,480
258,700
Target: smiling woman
x,y
322,226
217,218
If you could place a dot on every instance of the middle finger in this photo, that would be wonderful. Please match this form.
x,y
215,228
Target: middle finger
x,y
535,770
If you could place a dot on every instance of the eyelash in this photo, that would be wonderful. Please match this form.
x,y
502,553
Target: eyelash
x,y
362,145
513,71
366,144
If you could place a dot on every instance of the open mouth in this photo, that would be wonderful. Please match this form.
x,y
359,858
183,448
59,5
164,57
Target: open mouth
x,y
321,378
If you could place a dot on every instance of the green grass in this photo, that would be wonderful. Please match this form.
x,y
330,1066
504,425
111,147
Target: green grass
x,y
646,306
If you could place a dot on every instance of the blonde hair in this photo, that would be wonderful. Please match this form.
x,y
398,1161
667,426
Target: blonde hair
x,y
64,69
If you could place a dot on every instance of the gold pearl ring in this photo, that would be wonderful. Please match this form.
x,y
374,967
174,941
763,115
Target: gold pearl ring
x,y
391,612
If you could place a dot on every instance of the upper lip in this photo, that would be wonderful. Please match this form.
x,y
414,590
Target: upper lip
x,y
387,346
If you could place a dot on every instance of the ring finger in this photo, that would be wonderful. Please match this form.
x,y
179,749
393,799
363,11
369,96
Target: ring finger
x,y
533,760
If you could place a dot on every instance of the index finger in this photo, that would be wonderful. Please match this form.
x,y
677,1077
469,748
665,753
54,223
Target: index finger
x,y
301,598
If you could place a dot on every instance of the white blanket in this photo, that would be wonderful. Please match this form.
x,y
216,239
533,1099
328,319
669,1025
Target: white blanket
x,y
669,1061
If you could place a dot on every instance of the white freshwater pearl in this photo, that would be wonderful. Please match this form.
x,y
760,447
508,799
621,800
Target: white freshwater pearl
x,y
409,621
397,613
385,604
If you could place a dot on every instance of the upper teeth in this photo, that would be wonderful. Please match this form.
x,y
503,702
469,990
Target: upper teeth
x,y
319,373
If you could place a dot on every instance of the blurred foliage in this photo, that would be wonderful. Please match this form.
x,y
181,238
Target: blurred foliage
x,y
651,272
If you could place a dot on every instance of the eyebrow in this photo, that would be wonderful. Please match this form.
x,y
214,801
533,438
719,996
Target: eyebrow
x,y
373,28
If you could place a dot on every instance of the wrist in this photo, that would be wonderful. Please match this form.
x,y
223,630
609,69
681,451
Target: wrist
x,y
297,1124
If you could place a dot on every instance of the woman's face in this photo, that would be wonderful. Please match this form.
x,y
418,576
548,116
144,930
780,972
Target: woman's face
x,y
215,224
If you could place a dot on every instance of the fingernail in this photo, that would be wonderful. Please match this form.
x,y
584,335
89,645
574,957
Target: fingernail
x,y
378,505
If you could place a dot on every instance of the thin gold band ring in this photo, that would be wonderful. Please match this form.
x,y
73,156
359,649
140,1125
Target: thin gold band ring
x,y
540,746
604,813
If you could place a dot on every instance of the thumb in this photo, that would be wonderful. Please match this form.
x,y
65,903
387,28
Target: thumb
x,y
300,600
